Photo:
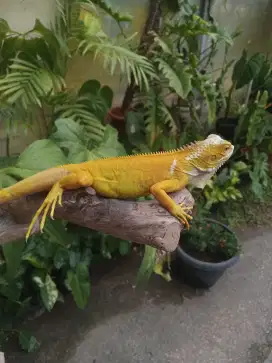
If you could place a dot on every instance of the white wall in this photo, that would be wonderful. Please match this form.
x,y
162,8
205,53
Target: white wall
x,y
253,17
21,14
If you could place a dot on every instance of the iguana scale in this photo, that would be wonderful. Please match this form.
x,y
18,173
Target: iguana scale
x,y
129,177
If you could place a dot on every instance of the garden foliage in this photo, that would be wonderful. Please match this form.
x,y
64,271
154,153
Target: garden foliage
x,y
178,99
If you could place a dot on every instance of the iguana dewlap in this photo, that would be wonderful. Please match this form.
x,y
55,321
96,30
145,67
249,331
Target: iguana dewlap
x,y
129,177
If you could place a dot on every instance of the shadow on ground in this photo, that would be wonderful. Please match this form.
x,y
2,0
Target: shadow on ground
x,y
166,322
113,293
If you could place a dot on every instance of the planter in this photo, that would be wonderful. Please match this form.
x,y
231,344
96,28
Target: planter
x,y
116,118
197,273
116,114
226,127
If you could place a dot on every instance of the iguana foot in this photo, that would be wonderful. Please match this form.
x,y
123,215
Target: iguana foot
x,y
181,215
54,196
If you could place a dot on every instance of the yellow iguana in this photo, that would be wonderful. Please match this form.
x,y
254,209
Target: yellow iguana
x,y
129,177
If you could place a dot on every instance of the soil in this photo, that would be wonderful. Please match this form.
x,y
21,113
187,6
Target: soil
x,y
204,256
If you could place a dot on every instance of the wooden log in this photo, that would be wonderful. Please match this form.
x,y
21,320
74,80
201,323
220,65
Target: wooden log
x,y
142,222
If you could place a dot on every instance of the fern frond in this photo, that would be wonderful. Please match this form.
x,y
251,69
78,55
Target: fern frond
x,y
28,83
79,112
116,15
165,45
179,81
157,116
60,10
115,54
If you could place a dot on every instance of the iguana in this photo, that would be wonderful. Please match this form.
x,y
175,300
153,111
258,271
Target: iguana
x,y
129,177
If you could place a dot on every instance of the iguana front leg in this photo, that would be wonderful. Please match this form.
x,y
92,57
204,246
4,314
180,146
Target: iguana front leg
x,y
71,181
160,190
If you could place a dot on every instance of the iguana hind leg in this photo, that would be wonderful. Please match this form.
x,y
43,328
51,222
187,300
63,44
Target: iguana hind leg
x,y
160,190
72,181
54,196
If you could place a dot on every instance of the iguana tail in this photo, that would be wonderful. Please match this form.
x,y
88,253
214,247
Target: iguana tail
x,y
39,182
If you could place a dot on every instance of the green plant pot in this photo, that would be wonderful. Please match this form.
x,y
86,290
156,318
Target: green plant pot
x,y
197,273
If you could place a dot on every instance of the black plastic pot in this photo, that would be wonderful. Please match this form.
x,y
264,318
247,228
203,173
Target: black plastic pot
x,y
226,127
197,273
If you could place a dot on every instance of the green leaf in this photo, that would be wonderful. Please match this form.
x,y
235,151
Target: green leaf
x,y
185,79
211,104
57,233
4,27
115,14
119,55
165,44
28,83
124,248
74,258
246,69
68,133
107,94
6,180
135,128
80,284
17,173
13,253
93,87
72,137
110,146
239,67
28,342
49,293
157,117
36,261
41,155
148,263
179,81
264,77
57,49
240,166
61,258
87,110
38,277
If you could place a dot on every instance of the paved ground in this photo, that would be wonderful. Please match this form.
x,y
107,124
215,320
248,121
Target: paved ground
x,y
168,324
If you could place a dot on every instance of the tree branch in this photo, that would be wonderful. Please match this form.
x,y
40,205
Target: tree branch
x,y
144,222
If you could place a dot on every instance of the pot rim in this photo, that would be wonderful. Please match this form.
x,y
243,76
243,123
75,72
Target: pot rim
x,y
210,265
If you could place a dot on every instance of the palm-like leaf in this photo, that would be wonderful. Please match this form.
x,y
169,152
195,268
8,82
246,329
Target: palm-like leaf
x,y
81,113
28,83
157,116
39,64
115,54
107,8
179,80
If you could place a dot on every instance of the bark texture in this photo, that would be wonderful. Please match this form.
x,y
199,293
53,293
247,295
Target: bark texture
x,y
144,222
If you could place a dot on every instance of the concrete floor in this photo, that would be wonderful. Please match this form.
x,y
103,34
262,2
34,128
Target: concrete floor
x,y
169,322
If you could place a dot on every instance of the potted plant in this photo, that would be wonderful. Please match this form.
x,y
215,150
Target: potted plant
x,y
250,75
205,252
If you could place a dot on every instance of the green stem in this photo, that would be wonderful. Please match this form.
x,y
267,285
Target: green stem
x,y
8,146
232,88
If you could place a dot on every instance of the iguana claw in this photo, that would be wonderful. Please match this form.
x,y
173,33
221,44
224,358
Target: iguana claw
x,y
54,196
181,215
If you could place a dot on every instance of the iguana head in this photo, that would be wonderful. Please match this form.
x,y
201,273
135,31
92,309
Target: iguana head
x,y
206,157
